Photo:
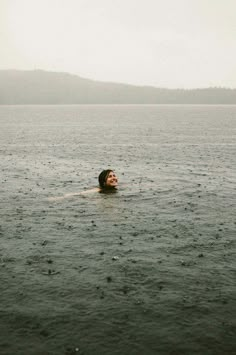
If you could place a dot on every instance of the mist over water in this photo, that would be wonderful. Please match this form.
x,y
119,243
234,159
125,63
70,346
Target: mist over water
x,y
170,226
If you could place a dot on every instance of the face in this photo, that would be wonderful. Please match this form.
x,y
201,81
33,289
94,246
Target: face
x,y
112,180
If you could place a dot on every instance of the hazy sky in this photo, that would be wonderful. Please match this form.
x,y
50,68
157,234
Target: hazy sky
x,y
165,43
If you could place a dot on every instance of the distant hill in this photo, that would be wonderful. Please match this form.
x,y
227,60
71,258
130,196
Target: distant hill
x,y
42,87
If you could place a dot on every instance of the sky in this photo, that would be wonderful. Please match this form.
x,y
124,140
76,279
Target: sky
x,y
162,43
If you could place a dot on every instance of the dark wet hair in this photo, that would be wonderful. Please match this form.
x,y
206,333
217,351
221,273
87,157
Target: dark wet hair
x,y
103,177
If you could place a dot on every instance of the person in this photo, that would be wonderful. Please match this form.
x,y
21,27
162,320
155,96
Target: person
x,y
108,182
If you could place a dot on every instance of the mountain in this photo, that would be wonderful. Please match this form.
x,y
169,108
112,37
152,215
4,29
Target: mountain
x,y
43,87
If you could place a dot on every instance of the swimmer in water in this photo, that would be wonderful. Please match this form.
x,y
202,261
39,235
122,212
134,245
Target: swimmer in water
x,y
108,182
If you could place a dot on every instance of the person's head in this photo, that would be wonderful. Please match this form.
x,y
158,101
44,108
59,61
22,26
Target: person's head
x,y
108,179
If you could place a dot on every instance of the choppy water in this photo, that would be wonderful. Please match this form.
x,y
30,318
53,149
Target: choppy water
x,y
171,225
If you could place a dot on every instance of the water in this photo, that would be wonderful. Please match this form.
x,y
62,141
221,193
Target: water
x,y
171,225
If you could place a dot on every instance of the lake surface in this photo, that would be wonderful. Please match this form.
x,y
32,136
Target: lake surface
x,y
147,270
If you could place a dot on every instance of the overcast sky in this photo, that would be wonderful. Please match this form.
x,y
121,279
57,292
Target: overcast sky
x,y
164,43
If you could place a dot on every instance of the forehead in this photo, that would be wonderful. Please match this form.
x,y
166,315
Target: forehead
x,y
111,173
